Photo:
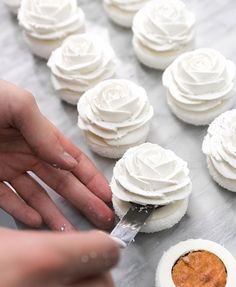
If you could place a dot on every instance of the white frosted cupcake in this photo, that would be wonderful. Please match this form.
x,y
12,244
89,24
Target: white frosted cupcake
x,y
195,263
46,24
122,12
150,174
200,86
163,29
219,146
115,115
79,64
13,5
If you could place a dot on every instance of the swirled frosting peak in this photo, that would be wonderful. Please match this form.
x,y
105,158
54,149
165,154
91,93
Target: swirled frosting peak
x,y
150,174
220,145
164,25
51,19
81,62
200,81
115,112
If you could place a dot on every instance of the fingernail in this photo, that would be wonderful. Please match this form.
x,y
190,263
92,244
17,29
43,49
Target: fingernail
x,y
118,241
68,159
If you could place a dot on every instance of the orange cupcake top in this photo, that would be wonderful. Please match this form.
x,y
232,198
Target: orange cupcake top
x,y
199,269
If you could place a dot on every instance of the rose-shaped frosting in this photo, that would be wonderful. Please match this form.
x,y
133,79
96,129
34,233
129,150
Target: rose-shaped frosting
x,y
128,6
81,62
220,144
51,19
115,113
200,81
164,25
150,174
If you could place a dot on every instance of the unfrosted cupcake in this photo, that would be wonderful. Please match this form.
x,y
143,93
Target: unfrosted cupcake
x,y
115,115
195,263
163,29
150,174
13,5
122,12
200,86
46,23
219,146
79,64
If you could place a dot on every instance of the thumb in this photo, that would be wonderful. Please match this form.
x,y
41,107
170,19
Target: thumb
x,y
39,133
72,257
87,254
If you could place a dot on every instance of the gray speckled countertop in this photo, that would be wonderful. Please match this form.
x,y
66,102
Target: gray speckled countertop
x,y
212,210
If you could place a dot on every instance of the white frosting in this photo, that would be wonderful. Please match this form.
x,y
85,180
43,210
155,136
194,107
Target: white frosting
x,y
199,83
122,12
80,63
220,145
115,113
164,26
150,174
51,19
168,260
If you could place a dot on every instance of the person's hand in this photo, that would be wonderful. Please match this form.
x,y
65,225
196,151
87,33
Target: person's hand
x,y
29,142
33,259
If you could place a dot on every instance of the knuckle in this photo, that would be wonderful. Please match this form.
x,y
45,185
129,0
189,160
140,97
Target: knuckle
x,y
64,181
23,102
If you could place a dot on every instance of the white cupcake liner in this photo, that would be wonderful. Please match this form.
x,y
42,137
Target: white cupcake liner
x,y
113,152
168,260
119,17
68,96
44,48
157,60
226,183
199,119
161,219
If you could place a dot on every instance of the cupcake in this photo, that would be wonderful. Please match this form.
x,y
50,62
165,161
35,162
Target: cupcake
x,y
200,86
46,24
122,12
13,5
219,146
163,29
114,115
195,263
79,64
150,174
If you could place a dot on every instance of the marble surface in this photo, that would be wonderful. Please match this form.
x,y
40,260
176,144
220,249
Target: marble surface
x,y
212,210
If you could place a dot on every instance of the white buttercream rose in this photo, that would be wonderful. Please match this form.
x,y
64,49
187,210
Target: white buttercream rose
x,y
51,19
116,112
81,62
164,25
220,145
150,174
200,85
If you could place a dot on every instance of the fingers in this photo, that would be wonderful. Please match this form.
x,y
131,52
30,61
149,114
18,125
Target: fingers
x,y
17,208
104,280
38,132
68,186
82,255
87,173
36,197
57,259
